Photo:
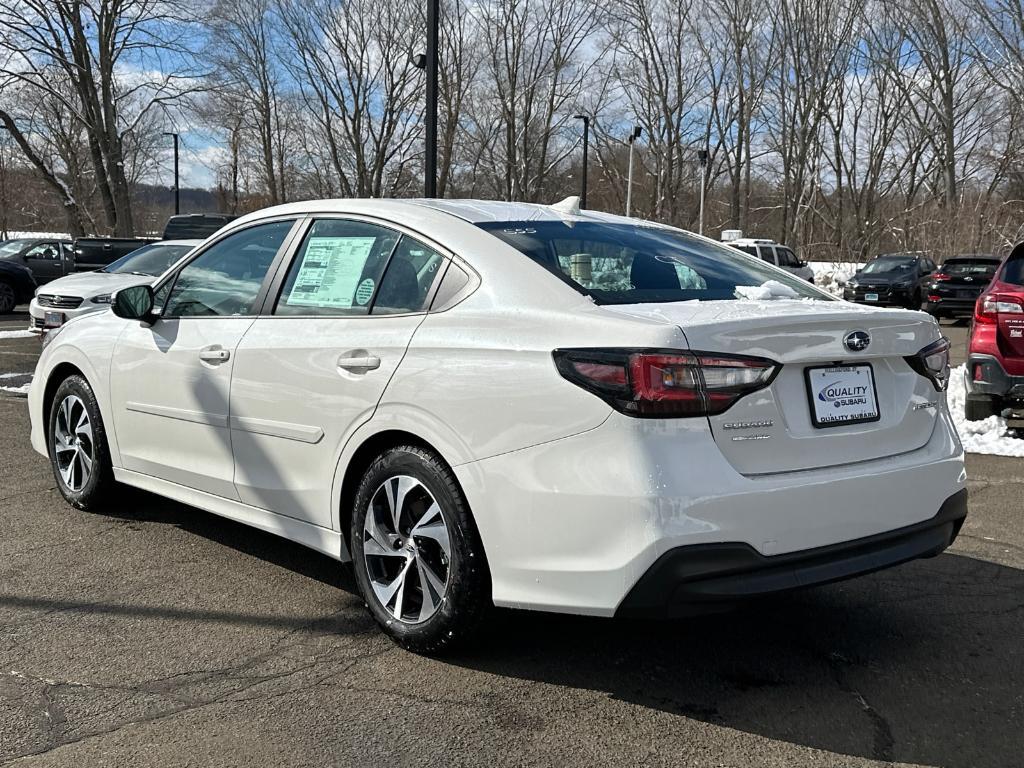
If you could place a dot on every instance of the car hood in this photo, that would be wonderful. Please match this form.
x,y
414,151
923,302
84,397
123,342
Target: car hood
x,y
88,284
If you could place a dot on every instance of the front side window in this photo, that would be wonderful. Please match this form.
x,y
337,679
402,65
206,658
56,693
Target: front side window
x,y
627,263
787,258
338,269
47,251
225,279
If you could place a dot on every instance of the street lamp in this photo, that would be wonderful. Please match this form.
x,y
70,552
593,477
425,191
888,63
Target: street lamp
x,y
177,191
586,145
633,136
702,158
428,62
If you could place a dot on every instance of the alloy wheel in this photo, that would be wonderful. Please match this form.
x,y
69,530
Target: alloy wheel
x,y
74,448
406,549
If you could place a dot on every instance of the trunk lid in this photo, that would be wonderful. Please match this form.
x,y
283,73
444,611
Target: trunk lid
x,y
772,430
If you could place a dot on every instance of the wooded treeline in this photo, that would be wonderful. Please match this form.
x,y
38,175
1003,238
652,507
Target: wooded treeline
x,y
841,127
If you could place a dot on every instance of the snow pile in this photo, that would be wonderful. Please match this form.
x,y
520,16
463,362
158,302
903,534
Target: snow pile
x,y
38,235
990,436
772,289
22,390
833,275
16,334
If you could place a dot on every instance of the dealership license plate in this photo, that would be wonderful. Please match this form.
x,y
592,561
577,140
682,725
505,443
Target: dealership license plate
x,y
870,297
842,394
53,319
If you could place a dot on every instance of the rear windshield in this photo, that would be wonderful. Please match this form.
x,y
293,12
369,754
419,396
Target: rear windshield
x,y
970,267
630,264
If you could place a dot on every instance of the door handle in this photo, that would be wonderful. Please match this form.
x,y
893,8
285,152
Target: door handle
x,y
367,363
214,355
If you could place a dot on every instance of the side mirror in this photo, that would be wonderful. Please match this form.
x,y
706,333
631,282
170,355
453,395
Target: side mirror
x,y
134,303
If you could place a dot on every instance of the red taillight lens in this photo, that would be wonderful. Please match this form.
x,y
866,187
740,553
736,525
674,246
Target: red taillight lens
x,y
940,276
934,297
655,383
990,306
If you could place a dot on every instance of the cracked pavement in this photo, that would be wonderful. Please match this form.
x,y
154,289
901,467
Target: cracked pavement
x,y
156,634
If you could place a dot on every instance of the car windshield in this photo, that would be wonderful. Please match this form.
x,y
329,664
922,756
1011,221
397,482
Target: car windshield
x,y
149,259
632,264
888,264
11,247
970,267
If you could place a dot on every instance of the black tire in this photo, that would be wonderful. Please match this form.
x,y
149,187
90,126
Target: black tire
x,y
980,407
459,612
81,491
8,298
915,301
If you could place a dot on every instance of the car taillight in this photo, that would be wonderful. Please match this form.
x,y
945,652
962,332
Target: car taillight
x,y
990,306
656,383
940,276
932,362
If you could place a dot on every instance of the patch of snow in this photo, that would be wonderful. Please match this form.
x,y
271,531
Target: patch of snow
x,y
16,334
833,275
22,390
771,289
37,235
13,375
990,436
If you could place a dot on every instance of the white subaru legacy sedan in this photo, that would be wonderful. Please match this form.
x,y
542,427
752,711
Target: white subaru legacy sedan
x,y
483,403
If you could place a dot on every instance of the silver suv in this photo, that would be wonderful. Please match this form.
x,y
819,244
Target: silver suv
x,y
774,253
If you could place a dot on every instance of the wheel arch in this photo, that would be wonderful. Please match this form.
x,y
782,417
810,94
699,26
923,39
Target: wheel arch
x,y
57,376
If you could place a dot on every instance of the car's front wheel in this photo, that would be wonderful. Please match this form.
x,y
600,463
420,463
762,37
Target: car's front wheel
x,y
8,299
78,445
418,558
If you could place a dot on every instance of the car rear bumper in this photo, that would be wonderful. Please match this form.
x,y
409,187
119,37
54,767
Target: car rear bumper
x,y
994,378
573,525
951,307
703,577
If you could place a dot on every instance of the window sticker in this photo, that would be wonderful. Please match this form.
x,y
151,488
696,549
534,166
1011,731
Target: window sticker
x,y
331,267
364,291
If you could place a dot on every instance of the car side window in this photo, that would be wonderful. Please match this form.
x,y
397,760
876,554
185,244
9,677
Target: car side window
x,y
767,253
411,273
787,258
46,251
225,279
338,269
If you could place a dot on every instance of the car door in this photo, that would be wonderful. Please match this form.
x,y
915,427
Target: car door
x,y
170,380
45,261
314,366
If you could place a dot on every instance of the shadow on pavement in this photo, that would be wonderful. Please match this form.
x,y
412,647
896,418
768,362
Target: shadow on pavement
x,y
921,664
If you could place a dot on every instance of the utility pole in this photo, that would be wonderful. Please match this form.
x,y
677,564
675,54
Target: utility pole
x,y
177,190
633,136
702,158
586,146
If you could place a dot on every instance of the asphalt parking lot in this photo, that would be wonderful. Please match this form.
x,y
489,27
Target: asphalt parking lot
x,y
156,634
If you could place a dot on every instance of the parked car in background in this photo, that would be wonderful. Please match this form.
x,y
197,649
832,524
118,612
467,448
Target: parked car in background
x,y
953,289
774,253
92,253
47,258
85,292
534,406
995,351
17,284
891,280
195,226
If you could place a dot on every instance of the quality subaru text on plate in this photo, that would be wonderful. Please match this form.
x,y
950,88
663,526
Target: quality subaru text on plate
x,y
482,403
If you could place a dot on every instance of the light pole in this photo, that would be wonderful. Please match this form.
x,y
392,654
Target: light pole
x,y
633,136
702,158
586,146
428,62
177,190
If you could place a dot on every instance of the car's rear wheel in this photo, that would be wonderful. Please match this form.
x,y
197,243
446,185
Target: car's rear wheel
x,y
980,407
8,299
418,559
78,445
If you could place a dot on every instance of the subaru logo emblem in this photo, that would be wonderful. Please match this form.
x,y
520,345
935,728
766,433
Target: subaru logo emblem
x,y
857,341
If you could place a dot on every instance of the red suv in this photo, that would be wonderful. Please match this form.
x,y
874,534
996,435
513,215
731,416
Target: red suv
x,y
995,353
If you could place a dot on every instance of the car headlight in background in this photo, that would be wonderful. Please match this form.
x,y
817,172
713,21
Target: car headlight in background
x,y
932,362
103,298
